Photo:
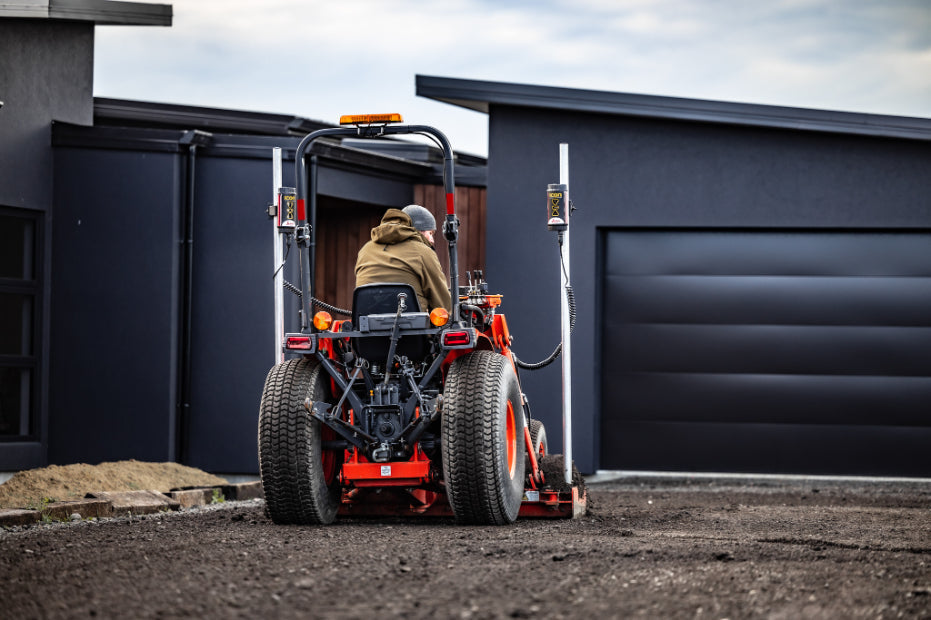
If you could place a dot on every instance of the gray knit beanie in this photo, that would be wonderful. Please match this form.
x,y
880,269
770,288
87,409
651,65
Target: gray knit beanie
x,y
422,218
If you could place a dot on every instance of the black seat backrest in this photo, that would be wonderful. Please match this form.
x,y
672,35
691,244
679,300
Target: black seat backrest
x,y
382,298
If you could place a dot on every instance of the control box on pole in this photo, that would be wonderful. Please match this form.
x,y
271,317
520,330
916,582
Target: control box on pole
x,y
287,209
556,194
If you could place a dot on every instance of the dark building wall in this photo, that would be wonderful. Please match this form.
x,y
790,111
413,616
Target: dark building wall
x,y
46,72
627,173
232,310
114,305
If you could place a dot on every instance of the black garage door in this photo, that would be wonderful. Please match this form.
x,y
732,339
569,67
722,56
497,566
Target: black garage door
x,y
784,352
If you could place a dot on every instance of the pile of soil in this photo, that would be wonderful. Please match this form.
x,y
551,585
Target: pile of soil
x,y
554,474
35,487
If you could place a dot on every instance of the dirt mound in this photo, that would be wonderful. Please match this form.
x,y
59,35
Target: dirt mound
x,y
32,488
554,474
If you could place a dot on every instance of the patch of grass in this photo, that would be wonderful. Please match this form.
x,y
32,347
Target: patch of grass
x,y
41,505
218,497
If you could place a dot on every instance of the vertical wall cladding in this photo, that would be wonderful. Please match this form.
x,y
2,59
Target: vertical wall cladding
x,y
232,311
628,172
343,227
114,305
470,209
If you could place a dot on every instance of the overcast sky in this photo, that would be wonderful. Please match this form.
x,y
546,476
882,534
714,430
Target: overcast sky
x,y
320,59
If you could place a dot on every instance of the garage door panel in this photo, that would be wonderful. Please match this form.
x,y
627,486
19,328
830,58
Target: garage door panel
x,y
766,351
759,398
771,349
664,446
870,254
771,300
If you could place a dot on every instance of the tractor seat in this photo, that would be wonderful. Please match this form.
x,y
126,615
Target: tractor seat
x,y
382,298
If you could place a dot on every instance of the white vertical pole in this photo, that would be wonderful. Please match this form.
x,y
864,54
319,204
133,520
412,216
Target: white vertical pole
x,y
564,313
279,277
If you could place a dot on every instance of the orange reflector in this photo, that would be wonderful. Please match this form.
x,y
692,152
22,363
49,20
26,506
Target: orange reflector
x,y
323,320
369,119
439,316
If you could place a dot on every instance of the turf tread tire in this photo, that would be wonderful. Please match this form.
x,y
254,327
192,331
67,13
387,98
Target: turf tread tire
x,y
537,440
290,448
479,483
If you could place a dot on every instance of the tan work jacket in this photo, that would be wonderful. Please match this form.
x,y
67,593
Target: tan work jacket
x,y
399,253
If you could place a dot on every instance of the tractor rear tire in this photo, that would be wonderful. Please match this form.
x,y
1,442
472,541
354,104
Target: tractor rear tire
x,y
538,441
300,479
482,439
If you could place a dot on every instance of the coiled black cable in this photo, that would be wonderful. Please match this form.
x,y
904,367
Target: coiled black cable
x,y
317,302
570,301
570,298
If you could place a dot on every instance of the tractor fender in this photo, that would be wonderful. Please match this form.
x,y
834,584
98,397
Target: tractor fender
x,y
482,343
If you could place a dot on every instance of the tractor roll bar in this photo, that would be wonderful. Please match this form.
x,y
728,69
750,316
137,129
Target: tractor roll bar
x,y
305,189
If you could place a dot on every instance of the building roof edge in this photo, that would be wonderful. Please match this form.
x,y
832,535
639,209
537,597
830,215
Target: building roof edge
x,y
100,12
481,95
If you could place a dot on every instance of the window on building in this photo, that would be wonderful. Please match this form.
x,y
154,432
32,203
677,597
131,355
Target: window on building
x,y
19,291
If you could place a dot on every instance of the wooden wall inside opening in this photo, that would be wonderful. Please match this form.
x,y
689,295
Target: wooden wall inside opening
x,y
344,226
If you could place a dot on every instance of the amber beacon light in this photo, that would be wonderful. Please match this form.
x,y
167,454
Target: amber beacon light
x,y
370,119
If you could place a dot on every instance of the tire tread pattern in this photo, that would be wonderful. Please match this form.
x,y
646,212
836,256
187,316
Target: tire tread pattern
x,y
290,452
537,437
478,483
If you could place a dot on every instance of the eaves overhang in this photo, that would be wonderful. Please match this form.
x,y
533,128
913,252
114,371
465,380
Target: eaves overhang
x,y
481,96
67,135
123,123
129,113
100,12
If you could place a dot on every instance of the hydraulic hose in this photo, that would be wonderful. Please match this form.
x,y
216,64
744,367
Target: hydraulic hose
x,y
470,310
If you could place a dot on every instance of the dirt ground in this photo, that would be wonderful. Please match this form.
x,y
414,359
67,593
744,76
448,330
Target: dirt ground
x,y
650,548
57,483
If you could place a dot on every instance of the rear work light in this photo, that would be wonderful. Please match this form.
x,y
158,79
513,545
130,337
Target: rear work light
x,y
297,342
457,339
369,119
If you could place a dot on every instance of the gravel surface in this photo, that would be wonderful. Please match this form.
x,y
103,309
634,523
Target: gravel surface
x,y
649,548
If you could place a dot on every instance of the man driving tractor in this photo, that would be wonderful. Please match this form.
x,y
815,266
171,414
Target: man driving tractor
x,y
401,250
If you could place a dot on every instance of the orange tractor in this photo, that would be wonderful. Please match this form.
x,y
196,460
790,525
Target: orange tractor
x,y
397,411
